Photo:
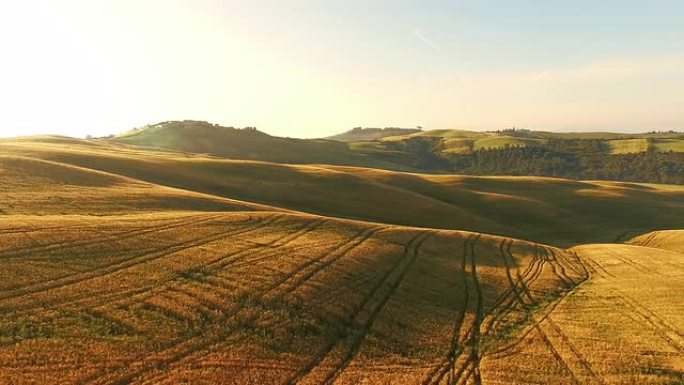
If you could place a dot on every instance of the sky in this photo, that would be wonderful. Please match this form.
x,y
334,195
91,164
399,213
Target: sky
x,y
312,68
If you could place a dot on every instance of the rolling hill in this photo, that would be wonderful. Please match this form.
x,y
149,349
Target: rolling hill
x,y
672,240
553,211
358,134
73,190
224,297
620,326
247,143
610,143
130,265
654,157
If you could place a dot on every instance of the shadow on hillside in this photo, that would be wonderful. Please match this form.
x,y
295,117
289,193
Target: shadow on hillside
x,y
27,170
549,211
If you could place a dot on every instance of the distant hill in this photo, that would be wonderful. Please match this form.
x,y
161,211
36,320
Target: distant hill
x,y
246,143
362,134
462,141
649,157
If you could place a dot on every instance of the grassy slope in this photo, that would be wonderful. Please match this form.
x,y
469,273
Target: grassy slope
x,y
202,137
553,211
246,295
366,148
368,134
622,326
253,297
665,239
72,190
460,141
669,145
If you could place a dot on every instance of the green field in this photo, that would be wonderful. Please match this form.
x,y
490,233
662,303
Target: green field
x,y
675,145
626,146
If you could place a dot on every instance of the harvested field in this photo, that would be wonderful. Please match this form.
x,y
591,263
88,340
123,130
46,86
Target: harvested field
x,y
665,239
260,297
622,326
126,266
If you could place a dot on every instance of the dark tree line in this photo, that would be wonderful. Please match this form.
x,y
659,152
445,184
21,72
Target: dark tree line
x,y
586,163
565,158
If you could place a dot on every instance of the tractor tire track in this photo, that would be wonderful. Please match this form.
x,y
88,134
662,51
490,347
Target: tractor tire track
x,y
128,263
324,264
123,235
447,366
583,363
338,252
556,268
518,287
503,351
213,267
472,340
391,281
179,350
511,297
667,332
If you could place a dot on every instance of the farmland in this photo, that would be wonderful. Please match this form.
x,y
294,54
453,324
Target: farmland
x,y
654,157
621,326
231,192
128,265
226,296
553,211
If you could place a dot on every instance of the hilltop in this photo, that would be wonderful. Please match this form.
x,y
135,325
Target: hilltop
x,y
649,157
246,143
357,134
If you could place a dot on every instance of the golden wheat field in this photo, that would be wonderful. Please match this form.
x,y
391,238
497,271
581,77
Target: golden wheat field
x,y
260,297
666,239
107,279
327,192
623,325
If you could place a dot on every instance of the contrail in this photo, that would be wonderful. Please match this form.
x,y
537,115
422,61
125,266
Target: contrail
x,y
424,39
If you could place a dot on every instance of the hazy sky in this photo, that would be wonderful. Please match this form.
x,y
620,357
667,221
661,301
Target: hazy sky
x,y
313,68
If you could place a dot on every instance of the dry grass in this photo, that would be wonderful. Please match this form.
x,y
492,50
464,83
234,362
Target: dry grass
x,y
665,239
259,297
623,326
109,279
39,187
546,210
